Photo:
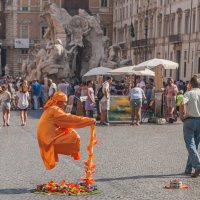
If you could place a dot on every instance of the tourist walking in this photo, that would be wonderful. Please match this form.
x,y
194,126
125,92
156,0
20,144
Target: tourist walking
x,y
136,96
42,94
36,92
23,101
170,94
63,86
189,112
90,101
52,88
105,101
5,99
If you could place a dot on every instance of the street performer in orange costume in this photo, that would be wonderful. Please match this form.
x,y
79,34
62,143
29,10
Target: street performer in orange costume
x,y
55,131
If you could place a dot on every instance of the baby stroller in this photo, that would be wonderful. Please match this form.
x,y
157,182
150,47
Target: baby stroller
x,y
147,110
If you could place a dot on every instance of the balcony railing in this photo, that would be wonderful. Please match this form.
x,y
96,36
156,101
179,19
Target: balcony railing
x,y
175,38
143,42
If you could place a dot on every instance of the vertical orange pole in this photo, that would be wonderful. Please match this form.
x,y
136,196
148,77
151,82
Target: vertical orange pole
x,y
89,165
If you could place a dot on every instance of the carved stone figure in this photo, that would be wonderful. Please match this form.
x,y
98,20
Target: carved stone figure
x,y
113,57
73,45
79,28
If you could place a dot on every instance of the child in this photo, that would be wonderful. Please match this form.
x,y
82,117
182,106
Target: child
x,y
179,99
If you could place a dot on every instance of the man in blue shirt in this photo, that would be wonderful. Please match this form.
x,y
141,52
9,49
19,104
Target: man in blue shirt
x,y
35,92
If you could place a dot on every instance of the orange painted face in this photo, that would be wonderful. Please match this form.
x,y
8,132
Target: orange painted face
x,y
62,104
57,97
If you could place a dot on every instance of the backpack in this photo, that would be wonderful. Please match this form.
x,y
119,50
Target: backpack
x,y
100,93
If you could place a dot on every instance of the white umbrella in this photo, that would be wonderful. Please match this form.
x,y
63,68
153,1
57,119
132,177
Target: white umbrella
x,y
130,71
145,72
98,71
150,64
123,71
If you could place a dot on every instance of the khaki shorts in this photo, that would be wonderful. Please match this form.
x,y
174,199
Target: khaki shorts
x,y
171,101
104,105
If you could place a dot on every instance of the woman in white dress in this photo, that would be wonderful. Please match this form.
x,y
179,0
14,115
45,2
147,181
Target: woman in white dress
x,y
5,98
23,101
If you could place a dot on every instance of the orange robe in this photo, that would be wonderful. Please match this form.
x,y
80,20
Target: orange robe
x,y
56,136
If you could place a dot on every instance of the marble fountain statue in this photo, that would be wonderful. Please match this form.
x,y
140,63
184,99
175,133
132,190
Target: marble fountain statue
x,y
74,45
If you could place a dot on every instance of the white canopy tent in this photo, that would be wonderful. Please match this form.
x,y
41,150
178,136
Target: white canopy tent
x,y
130,71
150,64
98,71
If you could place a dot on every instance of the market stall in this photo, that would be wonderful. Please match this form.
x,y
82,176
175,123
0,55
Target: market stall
x,y
158,66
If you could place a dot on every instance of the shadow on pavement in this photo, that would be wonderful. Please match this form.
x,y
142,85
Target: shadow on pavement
x,y
137,177
14,191
35,114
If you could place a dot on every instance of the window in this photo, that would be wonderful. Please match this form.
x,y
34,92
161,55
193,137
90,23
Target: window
x,y
24,51
172,26
45,2
120,14
185,69
131,10
104,3
171,55
159,29
199,65
24,8
43,30
136,29
165,72
187,24
198,20
185,55
193,23
179,25
166,56
24,31
166,27
104,31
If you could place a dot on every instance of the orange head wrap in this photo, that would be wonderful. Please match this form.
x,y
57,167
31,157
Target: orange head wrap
x,y
58,96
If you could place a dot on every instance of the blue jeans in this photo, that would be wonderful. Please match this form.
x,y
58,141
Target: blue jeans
x,y
191,132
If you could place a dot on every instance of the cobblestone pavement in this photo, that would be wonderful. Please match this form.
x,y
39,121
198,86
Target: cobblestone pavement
x,y
132,162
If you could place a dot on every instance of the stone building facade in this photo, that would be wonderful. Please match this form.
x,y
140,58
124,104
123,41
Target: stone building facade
x,y
24,28
168,29
103,8
2,37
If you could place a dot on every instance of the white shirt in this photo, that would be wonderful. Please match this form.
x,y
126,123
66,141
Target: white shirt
x,y
136,93
191,101
23,100
141,84
5,96
53,86
63,87
106,86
